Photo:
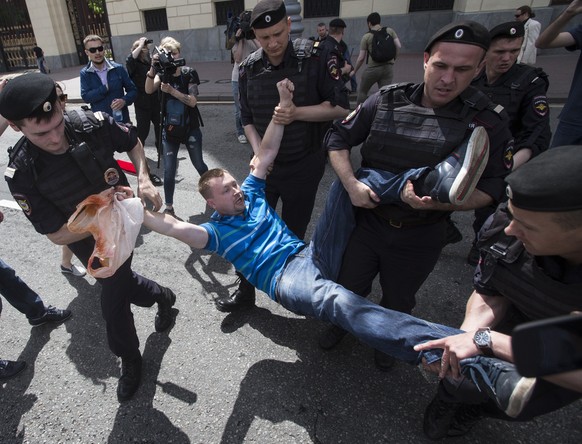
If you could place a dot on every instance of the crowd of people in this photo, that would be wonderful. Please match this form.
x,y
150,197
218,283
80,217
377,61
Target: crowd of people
x,y
474,135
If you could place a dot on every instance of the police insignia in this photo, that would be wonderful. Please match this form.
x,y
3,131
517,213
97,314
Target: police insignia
x,y
333,69
22,201
351,115
508,156
540,105
111,176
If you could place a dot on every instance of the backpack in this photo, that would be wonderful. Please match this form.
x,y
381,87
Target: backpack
x,y
383,46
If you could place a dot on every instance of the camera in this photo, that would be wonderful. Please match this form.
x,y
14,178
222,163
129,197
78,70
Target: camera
x,y
166,64
148,41
245,25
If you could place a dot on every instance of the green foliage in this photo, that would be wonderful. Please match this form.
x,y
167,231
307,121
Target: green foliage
x,y
97,6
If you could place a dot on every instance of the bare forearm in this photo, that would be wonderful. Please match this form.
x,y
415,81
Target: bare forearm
x,y
324,112
65,237
552,37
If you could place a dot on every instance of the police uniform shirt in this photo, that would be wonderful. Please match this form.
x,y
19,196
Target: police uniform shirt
x,y
336,60
325,86
527,105
48,216
355,128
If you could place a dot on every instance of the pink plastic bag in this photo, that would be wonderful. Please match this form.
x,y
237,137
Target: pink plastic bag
x,y
115,226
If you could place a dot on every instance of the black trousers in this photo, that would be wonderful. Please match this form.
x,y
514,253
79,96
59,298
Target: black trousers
x,y
296,185
144,118
404,257
118,292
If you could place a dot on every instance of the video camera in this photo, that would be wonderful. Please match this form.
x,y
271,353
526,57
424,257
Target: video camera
x,y
166,64
245,26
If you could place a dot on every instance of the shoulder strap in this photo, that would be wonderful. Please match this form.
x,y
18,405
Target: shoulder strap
x,y
303,48
84,121
253,57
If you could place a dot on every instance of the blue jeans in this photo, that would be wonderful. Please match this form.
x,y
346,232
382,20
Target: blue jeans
x,y
19,294
194,146
306,285
237,120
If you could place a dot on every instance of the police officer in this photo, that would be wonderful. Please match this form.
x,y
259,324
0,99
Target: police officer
x,y
62,159
530,269
337,48
320,96
521,90
407,126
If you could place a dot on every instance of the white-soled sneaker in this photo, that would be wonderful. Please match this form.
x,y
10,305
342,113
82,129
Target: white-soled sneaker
x,y
75,270
242,139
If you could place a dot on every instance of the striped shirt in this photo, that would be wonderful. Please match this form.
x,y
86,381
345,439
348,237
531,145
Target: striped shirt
x,y
257,243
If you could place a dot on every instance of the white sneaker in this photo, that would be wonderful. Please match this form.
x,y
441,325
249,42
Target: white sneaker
x,y
75,270
242,139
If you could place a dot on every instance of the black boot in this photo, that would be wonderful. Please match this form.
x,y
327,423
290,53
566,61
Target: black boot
x,y
130,378
164,317
242,298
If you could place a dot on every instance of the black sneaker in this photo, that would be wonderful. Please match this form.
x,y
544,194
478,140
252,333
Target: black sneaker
x,y
501,381
130,378
454,179
241,299
331,337
9,369
164,316
438,417
53,315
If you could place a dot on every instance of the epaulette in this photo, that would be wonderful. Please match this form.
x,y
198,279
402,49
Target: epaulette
x,y
20,158
253,57
395,86
304,48
84,121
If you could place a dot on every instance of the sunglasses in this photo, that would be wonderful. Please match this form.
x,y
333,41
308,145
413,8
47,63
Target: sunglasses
x,y
94,50
63,97
519,15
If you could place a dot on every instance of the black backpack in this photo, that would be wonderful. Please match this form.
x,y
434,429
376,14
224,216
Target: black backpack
x,y
383,46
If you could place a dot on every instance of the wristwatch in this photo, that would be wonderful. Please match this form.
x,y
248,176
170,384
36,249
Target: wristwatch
x,y
482,340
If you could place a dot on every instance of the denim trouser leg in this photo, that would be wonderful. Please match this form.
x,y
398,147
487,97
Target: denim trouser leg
x,y
566,134
194,146
235,94
336,223
303,290
170,150
19,294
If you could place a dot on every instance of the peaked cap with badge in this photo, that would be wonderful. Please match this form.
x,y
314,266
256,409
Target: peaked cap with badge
x,y
28,95
268,13
550,182
467,32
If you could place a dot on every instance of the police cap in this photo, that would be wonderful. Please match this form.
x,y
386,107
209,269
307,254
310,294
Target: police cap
x,y
268,13
468,32
337,23
28,95
550,182
508,30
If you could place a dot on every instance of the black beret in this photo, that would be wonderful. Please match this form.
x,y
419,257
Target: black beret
x,y
549,182
28,95
268,13
508,30
337,23
468,32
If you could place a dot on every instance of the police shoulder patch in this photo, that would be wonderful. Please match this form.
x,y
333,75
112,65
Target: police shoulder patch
x,y
23,202
540,105
351,115
333,68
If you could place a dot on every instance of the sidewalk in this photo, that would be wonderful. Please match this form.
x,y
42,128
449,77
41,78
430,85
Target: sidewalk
x,y
215,76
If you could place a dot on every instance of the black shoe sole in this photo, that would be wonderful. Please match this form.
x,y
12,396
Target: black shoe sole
x,y
233,308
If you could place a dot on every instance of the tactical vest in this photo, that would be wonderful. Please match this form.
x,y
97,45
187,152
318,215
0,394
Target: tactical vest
x,y
299,138
65,183
404,135
510,93
512,271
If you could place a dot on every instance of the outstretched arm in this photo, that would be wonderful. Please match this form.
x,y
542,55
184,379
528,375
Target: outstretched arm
x,y
191,234
552,37
272,139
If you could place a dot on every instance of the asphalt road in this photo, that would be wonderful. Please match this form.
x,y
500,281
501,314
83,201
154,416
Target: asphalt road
x,y
256,377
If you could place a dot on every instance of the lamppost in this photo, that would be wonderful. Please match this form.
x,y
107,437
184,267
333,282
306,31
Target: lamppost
x,y
293,8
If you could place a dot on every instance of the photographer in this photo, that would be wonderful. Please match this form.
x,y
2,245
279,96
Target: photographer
x,y
181,117
245,45
147,106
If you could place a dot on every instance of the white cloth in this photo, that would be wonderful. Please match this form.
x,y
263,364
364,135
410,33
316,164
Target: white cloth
x,y
528,51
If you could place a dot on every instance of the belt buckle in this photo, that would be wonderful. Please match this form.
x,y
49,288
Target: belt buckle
x,y
395,223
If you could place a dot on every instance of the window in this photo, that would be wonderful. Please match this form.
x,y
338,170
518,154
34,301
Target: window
x,y
224,9
430,5
321,8
156,20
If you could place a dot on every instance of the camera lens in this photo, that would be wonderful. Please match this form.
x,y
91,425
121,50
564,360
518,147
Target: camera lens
x,y
148,41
